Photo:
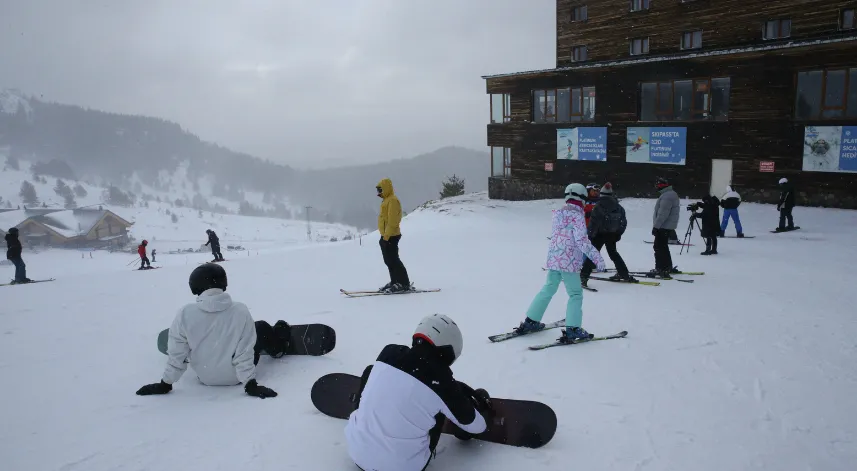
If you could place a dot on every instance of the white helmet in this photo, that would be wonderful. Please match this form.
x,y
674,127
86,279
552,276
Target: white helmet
x,y
575,191
442,332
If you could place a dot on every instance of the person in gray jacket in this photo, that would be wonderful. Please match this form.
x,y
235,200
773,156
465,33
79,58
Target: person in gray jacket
x,y
664,221
220,338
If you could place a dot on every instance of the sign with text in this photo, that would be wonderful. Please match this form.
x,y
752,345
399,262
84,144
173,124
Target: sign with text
x,y
548,166
766,166
587,143
656,145
830,149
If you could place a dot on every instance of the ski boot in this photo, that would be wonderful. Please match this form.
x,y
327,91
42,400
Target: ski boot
x,y
659,273
398,288
626,277
574,334
740,235
283,335
584,282
529,326
385,288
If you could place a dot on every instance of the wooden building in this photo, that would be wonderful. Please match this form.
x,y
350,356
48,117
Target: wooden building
x,y
706,93
73,228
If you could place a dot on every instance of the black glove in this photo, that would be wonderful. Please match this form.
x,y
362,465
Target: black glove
x,y
778,208
155,388
654,232
482,400
254,389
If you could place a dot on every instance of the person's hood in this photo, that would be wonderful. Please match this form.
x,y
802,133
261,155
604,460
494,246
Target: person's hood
x,y
386,186
214,300
728,189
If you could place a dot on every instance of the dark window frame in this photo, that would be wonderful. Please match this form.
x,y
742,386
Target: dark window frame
x,y
780,22
574,54
842,12
571,113
643,42
683,46
693,110
584,13
507,161
822,95
507,108
645,5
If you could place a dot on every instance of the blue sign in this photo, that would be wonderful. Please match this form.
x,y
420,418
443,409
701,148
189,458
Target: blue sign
x,y
656,145
830,149
587,143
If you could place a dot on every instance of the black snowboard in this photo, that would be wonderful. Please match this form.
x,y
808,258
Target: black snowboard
x,y
518,423
787,230
306,339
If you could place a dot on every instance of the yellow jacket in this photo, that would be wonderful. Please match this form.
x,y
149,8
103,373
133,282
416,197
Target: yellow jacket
x,y
391,211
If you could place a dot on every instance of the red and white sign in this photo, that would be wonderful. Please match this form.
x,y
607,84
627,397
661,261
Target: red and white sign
x,y
766,166
548,166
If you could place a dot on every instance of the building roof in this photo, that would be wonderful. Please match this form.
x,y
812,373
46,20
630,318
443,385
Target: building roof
x,y
683,55
75,222
12,218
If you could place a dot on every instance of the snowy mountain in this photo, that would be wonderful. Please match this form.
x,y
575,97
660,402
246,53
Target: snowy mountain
x,y
751,366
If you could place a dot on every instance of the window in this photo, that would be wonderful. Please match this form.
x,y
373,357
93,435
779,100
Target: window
x,y
501,161
776,29
691,40
685,100
639,46
846,20
501,110
826,94
578,53
564,105
579,13
639,5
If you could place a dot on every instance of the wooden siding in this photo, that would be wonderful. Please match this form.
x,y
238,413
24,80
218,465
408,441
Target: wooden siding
x,y
760,125
724,23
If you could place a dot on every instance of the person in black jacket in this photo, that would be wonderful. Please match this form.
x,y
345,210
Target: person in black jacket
x,y
215,245
607,223
13,254
710,217
787,202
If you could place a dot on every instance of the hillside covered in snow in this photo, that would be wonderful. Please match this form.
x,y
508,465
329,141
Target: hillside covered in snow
x,y
751,366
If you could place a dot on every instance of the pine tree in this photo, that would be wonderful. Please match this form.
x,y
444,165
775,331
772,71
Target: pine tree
x,y
453,186
80,191
28,194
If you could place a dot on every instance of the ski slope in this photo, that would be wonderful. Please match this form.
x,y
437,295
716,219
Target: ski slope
x,y
750,367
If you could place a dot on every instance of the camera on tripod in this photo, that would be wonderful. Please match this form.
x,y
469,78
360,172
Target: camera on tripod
x,y
694,207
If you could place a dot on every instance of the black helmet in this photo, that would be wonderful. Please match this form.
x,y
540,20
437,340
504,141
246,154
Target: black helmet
x,y
661,182
207,276
13,230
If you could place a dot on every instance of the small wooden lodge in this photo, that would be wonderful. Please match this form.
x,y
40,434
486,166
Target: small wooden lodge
x,y
706,93
71,228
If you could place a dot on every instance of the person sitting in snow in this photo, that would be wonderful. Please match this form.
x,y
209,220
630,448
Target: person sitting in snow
x,y
730,202
141,251
710,218
405,398
220,337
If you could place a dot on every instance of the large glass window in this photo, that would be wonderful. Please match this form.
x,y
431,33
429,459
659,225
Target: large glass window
x,y
685,100
639,46
501,162
501,109
563,105
826,94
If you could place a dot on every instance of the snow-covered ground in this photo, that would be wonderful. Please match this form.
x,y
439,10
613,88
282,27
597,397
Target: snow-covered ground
x,y
750,367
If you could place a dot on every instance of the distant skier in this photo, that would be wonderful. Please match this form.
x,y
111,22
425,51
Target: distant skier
x,y
220,338
405,398
785,206
13,254
215,245
730,202
710,217
144,260
154,252
389,219
569,246
606,226
664,220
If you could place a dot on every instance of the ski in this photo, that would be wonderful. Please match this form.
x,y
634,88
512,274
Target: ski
x,y
673,273
29,283
588,288
786,230
557,343
363,294
671,243
513,333
637,282
145,269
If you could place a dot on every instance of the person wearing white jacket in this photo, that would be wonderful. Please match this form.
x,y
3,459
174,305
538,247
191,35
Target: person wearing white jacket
x,y
219,337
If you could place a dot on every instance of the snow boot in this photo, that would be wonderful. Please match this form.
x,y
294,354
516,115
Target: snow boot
x,y
529,326
572,334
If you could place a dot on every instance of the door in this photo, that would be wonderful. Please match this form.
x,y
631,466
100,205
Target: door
x,y
721,176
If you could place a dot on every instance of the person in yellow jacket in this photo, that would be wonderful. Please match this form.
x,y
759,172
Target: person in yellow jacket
x,y
389,219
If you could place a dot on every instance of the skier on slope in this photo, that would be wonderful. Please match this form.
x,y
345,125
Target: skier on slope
x,y
405,398
13,254
664,220
220,338
569,246
606,226
710,217
593,193
785,206
215,245
141,251
389,220
730,202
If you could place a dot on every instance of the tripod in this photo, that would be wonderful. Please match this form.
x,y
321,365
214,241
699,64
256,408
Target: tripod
x,y
689,232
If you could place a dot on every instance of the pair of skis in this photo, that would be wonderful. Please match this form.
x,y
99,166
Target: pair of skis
x,y
555,343
28,283
649,275
363,294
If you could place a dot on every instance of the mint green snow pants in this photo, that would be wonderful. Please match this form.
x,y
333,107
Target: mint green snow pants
x,y
574,308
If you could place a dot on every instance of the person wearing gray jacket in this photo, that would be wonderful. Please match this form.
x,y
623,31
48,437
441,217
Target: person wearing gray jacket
x,y
219,337
664,221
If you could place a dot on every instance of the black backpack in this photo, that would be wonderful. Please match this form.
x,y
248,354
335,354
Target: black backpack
x,y
615,221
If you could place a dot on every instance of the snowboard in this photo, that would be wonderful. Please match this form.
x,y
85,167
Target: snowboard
x,y
34,281
514,422
306,339
786,230
145,269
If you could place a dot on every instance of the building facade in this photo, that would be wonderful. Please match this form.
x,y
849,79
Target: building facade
x,y
706,93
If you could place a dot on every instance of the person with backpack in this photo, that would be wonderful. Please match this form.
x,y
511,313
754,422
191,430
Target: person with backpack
x,y
144,260
606,226
785,206
730,202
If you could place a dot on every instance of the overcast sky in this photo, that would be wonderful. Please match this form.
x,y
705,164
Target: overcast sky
x,y
296,81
